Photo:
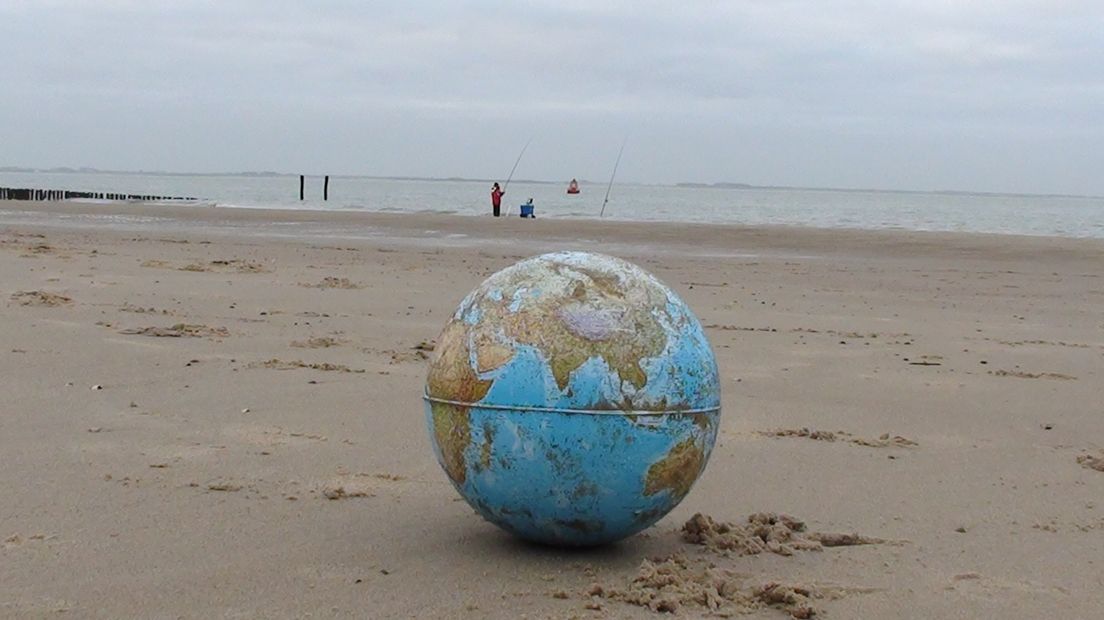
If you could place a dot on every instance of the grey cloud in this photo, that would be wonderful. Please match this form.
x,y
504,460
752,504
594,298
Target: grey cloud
x,y
979,95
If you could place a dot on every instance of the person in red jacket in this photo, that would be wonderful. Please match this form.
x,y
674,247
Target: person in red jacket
x,y
496,198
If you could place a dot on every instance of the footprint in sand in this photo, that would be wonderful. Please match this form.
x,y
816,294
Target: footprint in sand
x,y
977,584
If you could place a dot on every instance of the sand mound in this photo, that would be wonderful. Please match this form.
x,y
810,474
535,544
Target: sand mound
x,y
762,533
1089,461
671,584
40,298
765,532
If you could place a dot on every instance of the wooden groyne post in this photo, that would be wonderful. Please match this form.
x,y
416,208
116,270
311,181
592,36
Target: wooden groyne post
x,y
22,193
302,183
326,188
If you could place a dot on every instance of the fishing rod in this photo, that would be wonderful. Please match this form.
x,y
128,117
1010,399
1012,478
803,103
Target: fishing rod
x,y
516,162
610,186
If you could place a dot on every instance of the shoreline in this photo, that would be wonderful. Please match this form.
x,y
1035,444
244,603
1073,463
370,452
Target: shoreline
x,y
638,237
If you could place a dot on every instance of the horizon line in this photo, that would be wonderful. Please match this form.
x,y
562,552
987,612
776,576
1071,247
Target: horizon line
x,y
680,184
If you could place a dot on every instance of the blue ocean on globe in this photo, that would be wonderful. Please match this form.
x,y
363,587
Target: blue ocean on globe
x,y
573,399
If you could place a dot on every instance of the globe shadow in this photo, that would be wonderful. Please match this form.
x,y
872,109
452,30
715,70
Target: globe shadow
x,y
494,542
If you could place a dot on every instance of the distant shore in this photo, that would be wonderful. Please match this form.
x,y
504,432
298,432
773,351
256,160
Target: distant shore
x,y
676,184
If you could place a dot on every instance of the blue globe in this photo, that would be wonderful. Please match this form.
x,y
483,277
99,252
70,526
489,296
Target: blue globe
x,y
573,399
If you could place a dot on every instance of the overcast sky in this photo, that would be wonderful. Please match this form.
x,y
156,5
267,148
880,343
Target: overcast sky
x,y
969,95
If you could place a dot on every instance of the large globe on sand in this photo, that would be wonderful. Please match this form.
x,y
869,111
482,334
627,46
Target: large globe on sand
x,y
573,399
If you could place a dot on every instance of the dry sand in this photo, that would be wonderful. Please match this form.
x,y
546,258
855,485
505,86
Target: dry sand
x,y
214,413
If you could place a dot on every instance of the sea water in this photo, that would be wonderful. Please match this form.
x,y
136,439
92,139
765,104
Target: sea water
x,y
1064,216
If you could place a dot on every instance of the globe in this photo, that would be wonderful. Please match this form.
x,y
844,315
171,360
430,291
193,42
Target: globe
x,y
572,399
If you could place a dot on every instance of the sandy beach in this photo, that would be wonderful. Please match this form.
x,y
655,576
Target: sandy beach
x,y
217,413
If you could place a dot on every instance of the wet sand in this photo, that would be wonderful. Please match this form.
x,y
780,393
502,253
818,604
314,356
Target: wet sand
x,y
215,412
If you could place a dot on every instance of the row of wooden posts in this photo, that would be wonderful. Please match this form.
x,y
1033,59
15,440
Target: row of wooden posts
x,y
325,187
18,193
13,193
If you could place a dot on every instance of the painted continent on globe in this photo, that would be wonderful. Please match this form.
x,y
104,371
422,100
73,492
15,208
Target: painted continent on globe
x,y
573,393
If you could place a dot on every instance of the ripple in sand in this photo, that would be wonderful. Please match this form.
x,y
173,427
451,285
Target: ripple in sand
x,y
322,342
1032,375
40,298
278,364
885,440
178,330
332,282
